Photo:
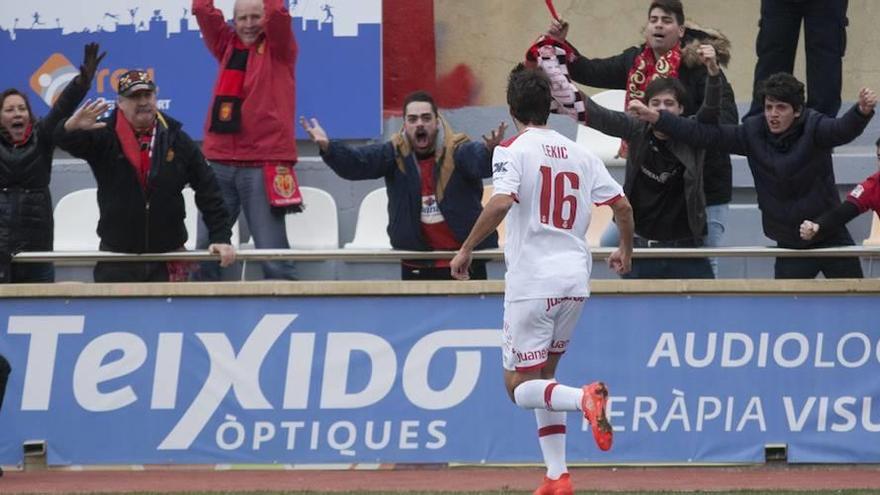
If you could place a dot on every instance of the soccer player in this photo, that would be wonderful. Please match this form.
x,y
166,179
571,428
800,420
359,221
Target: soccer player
x,y
544,185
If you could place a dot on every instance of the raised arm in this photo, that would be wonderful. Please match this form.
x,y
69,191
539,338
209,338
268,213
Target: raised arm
x,y
609,73
279,31
726,138
610,122
82,135
474,159
215,31
710,110
365,162
74,93
837,132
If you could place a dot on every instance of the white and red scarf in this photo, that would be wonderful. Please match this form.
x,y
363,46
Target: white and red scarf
x,y
552,56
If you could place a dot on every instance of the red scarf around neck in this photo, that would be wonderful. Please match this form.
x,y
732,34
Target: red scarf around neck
x,y
645,69
136,148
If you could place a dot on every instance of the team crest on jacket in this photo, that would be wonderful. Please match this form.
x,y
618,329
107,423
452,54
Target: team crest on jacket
x,y
283,183
857,192
225,114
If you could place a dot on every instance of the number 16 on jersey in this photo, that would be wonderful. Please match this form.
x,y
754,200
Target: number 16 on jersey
x,y
554,199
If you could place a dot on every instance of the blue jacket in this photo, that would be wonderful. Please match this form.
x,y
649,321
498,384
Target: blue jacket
x,y
794,175
461,166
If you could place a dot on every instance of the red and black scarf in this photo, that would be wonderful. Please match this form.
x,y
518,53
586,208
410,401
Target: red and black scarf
x,y
226,110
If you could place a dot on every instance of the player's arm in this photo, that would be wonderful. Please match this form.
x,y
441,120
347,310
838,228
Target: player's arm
x,y
621,260
488,222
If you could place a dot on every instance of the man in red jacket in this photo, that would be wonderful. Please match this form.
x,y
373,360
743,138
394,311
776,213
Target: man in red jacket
x,y
249,133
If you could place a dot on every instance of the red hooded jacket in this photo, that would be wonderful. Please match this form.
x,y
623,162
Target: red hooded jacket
x,y
269,103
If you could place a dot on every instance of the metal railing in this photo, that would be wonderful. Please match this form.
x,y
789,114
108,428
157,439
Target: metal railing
x,y
389,255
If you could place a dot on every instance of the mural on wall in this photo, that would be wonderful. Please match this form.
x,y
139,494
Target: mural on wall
x,y
410,45
42,44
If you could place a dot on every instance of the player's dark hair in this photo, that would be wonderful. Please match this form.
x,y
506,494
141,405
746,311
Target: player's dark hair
x,y
528,95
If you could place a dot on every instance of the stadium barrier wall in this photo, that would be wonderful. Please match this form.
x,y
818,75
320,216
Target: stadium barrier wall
x,y
393,372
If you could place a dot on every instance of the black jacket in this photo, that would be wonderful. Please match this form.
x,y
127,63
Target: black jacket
x,y
25,203
638,134
794,176
612,73
133,221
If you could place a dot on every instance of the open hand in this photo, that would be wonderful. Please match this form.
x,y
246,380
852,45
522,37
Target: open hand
x,y
316,132
86,117
494,138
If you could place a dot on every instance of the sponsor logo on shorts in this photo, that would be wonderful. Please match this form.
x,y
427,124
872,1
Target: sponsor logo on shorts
x,y
556,301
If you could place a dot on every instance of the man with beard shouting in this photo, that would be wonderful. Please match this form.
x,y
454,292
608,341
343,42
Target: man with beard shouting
x,y
434,178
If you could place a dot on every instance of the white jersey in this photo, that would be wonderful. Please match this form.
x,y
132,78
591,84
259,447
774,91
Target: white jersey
x,y
555,182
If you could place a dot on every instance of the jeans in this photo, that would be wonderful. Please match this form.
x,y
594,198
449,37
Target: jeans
x,y
716,224
243,188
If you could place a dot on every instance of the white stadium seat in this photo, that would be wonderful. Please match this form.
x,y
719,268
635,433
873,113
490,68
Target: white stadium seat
x,y
76,221
317,226
372,222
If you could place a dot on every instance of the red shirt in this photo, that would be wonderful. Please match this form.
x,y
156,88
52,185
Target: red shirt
x,y
866,196
436,231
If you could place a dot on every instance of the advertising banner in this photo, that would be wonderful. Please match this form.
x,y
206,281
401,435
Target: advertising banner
x,y
418,379
338,73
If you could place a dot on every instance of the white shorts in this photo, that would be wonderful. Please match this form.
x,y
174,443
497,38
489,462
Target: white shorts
x,y
536,328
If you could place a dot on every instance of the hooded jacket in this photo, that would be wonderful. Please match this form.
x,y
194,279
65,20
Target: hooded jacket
x,y
269,101
612,73
459,170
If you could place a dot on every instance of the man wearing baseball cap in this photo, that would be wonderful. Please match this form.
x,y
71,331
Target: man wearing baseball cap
x,y
142,160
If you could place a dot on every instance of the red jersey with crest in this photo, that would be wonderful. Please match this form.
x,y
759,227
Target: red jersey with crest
x,y
866,196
